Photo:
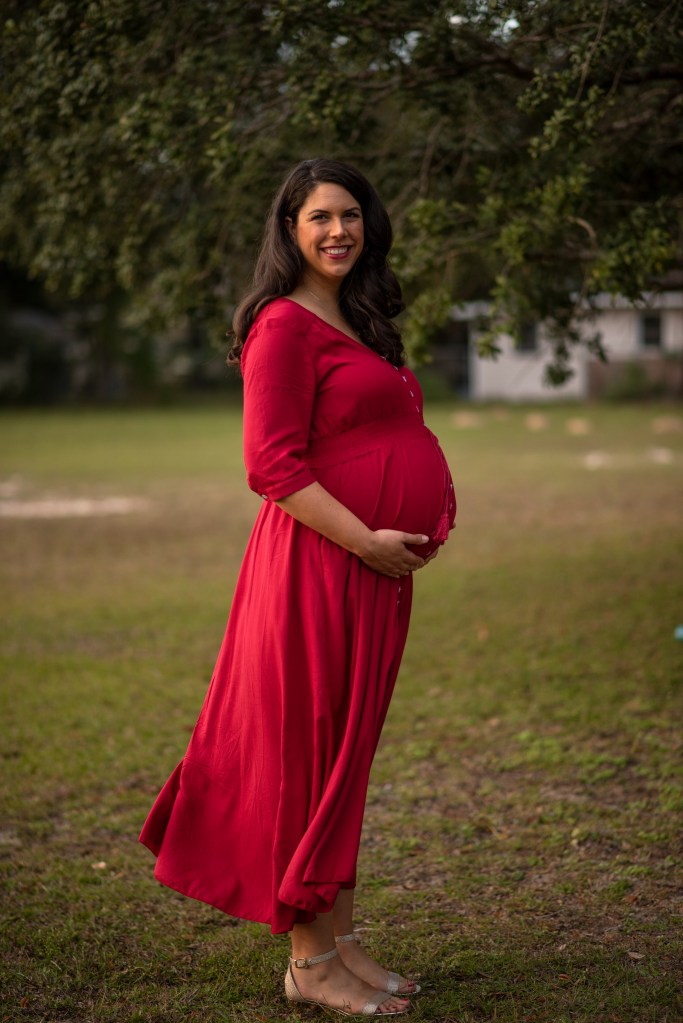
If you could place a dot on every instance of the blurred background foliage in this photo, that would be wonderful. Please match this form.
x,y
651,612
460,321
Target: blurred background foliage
x,y
529,153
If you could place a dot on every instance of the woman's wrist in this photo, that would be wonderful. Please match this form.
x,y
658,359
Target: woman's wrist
x,y
363,546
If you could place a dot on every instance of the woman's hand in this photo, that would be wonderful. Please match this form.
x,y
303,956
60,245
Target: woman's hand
x,y
386,552
382,550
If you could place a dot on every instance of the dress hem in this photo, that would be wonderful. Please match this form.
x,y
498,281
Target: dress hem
x,y
302,916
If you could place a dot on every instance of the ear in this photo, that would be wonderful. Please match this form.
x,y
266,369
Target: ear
x,y
291,227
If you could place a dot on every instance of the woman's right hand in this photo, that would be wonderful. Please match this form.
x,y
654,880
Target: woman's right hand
x,y
387,553
382,550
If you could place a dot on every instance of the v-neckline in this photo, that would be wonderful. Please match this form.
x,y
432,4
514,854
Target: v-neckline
x,y
343,333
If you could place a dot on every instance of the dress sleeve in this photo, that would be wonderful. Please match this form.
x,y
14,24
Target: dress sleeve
x,y
279,390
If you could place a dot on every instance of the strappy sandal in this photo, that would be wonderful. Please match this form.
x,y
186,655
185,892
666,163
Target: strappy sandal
x,y
394,982
371,1007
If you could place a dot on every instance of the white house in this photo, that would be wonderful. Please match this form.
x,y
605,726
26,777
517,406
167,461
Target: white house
x,y
644,345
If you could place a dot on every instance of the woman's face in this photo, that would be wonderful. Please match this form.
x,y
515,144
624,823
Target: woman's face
x,y
329,232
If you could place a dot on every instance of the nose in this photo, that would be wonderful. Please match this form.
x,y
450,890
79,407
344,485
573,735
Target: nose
x,y
337,227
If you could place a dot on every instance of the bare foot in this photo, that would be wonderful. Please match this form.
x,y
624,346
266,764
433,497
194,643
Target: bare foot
x,y
360,963
332,984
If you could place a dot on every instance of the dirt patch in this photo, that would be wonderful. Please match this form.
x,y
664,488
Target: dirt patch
x,y
71,507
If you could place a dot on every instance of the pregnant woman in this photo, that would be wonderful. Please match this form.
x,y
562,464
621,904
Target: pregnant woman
x,y
263,816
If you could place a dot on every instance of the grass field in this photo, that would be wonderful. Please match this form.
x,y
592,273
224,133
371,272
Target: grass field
x,y
522,844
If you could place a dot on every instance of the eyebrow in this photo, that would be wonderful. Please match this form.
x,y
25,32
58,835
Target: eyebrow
x,y
348,210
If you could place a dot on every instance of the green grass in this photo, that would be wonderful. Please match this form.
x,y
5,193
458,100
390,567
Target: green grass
x,y
522,842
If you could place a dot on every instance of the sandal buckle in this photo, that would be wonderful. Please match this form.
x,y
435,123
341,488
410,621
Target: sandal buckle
x,y
301,964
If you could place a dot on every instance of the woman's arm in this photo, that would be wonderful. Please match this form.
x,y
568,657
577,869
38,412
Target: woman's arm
x,y
383,550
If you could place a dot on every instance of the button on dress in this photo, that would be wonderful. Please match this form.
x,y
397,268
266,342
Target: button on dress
x,y
262,818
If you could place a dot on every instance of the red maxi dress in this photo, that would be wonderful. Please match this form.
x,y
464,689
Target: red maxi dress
x,y
262,818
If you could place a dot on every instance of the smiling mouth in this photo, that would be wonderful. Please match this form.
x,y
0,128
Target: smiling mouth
x,y
339,250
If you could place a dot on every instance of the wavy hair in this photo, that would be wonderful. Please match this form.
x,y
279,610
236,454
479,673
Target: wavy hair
x,y
370,295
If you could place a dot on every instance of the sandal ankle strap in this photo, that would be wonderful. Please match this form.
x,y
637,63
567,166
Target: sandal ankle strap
x,y
342,938
303,964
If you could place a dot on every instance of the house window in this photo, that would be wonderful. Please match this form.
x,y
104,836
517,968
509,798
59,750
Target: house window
x,y
528,338
450,354
651,330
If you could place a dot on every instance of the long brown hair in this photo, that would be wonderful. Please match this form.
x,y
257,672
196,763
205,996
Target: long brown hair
x,y
370,295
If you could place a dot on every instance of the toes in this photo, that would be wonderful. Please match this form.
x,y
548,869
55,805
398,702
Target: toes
x,y
407,988
394,1005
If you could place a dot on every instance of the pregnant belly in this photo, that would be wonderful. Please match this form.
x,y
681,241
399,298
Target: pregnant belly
x,y
402,483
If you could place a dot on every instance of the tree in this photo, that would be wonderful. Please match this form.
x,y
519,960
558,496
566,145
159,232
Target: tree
x,y
530,152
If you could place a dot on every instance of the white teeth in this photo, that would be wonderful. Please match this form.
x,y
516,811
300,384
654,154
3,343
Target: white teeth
x,y
337,252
